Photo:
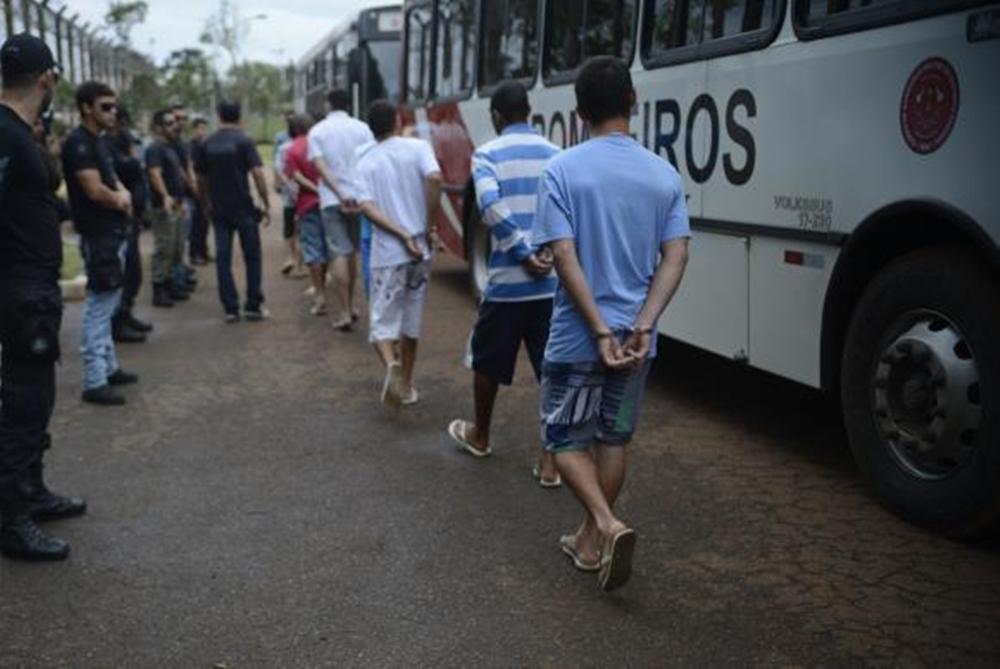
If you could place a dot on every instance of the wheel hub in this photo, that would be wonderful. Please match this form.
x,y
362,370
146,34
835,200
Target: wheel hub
x,y
926,397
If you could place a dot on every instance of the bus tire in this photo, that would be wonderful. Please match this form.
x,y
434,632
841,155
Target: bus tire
x,y
478,246
920,391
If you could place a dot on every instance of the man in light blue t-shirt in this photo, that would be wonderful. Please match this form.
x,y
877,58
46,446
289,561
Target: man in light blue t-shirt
x,y
615,217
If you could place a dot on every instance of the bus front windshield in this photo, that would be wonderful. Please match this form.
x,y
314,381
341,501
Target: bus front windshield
x,y
383,70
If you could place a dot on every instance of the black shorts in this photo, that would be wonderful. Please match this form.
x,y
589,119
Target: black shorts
x,y
289,228
498,334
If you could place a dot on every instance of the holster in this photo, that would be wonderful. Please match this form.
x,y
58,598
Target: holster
x,y
101,256
33,316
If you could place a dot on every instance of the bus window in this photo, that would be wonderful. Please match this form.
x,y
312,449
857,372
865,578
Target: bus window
x,y
456,47
418,53
509,48
820,18
818,9
687,23
343,52
381,70
578,30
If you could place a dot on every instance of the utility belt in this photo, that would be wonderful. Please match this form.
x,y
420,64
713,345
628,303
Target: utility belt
x,y
102,257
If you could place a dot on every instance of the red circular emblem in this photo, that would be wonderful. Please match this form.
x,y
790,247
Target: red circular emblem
x,y
930,105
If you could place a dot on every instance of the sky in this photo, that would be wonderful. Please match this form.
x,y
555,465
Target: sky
x,y
290,28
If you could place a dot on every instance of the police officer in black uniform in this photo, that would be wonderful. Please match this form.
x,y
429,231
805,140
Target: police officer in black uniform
x,y
30,306
125,148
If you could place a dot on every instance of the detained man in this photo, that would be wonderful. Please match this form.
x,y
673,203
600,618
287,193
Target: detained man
x,y
332,146
101,207
308,218
614,216
399,183
517,304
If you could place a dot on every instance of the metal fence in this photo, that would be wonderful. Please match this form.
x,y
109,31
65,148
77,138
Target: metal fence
x,y
81,52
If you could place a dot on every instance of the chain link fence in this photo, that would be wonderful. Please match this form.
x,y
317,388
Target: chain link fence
x,y
81,52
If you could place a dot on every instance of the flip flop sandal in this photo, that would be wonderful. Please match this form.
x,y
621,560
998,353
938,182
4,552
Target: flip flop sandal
x,y
548,484
457,430
567,543
616,563
390,388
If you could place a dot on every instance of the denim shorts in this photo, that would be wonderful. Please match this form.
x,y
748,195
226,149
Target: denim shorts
x,y
341,232
312,238
585,403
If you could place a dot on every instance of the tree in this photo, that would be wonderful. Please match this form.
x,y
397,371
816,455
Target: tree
x,y
226,29
123,16
188,78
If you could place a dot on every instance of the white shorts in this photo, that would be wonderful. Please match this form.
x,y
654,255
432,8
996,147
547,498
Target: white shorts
x,y
397,300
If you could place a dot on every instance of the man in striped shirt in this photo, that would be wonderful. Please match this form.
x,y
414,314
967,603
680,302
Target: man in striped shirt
x,y
518,300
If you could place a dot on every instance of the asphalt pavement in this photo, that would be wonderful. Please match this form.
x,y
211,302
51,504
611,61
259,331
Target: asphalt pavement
x,y
253,506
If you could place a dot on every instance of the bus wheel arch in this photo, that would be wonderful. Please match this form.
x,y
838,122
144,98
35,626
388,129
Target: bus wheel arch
x,y
876,243
918,374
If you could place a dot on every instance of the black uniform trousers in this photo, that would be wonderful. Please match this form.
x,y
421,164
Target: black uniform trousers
x,y
133,268
30,318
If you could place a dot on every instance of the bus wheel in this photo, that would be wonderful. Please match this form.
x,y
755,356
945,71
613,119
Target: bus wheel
x,y
921,390
478,246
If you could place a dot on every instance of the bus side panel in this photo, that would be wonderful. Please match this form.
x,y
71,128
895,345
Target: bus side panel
x,y
787,282
710,308
824,122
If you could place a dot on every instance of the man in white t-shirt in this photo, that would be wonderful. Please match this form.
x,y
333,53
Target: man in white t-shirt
x,y
332,145
399,189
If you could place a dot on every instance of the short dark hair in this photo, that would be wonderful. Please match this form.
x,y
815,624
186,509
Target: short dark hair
x,y
159,115
510,100
299,124
382,118
604,90
89,91
20,80
339,99
229,111
199,120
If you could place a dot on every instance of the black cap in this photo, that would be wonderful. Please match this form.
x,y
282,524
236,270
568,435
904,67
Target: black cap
x,y
25,54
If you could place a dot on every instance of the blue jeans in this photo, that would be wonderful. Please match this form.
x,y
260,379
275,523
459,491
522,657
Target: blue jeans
x,y
249,235
366,254
97,347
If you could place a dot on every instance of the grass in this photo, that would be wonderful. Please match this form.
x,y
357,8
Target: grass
x,y
266,152
72,265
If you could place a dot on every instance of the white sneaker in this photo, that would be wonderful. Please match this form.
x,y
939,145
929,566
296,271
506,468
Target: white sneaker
x,y
310,291
262,314
318,308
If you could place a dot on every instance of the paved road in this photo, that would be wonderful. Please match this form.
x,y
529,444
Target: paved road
x,y
252,506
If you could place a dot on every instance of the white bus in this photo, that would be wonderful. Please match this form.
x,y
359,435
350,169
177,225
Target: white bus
x,y
360,55
842,163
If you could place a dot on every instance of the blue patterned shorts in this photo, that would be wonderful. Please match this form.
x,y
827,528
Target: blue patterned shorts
x,y
584,403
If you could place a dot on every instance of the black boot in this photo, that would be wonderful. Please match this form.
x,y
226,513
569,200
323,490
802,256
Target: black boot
x,y
103,395
43,504
161,296
137,325
176,292
123,333
122,378
21,538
